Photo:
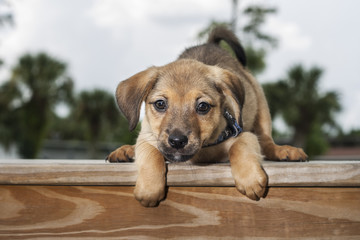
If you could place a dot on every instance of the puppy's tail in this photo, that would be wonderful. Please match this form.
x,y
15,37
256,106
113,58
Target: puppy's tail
x,y
222,33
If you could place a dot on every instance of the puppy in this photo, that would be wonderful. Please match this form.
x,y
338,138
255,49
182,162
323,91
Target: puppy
x,y
203,107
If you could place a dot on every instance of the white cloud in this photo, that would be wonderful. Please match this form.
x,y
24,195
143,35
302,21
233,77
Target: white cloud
x,y
13,38
290,35
112,13
120,16
153,32
17,39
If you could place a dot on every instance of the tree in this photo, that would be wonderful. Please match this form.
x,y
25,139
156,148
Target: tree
x,y
8,112
97,112
252,31
38,83
255,41
298,100
94,118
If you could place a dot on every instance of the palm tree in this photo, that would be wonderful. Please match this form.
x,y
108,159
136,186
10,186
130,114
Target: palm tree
x,y
94,117
98,112
94,108
255,41
8,124
38,83
298,100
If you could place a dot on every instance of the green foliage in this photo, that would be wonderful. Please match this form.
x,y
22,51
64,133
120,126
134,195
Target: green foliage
x,y
303,107
98,111
37,84
27,109
316,142
94,117
255,59
348,139
9,92
255,41
257,15
354,133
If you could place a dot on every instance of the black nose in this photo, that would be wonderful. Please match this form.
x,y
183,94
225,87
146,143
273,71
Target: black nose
x,y
178,141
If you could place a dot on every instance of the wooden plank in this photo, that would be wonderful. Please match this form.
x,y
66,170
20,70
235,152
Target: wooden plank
x,y
92,172
111,212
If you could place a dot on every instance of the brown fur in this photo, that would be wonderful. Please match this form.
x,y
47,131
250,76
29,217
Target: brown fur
x,y
202,74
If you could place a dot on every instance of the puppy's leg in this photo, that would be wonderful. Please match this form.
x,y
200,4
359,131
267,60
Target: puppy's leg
x,y
150,184
245,157
124,153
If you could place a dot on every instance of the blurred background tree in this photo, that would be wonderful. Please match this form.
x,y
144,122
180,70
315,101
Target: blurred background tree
x,y
97,112
94,118
28,116
256,42
303,107
38,83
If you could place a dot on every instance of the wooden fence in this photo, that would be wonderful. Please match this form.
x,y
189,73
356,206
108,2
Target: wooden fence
x,y
62,199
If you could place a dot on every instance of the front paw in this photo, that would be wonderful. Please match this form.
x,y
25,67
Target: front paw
x,y
251,182
288,153
149,196
125,153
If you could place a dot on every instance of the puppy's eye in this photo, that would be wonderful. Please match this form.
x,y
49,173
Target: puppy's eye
x,y
203,108
160,105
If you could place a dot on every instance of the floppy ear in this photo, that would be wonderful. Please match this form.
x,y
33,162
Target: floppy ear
x,y
131,92
232,87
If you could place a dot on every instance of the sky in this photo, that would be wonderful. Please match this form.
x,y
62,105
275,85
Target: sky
x,y
106,41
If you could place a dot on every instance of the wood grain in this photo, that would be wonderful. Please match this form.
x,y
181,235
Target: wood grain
x,y
111,212
314,173
94,200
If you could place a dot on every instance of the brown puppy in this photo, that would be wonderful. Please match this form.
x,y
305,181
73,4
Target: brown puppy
x,y
204,107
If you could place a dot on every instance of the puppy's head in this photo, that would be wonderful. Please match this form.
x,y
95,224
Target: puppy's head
x,y
185,103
